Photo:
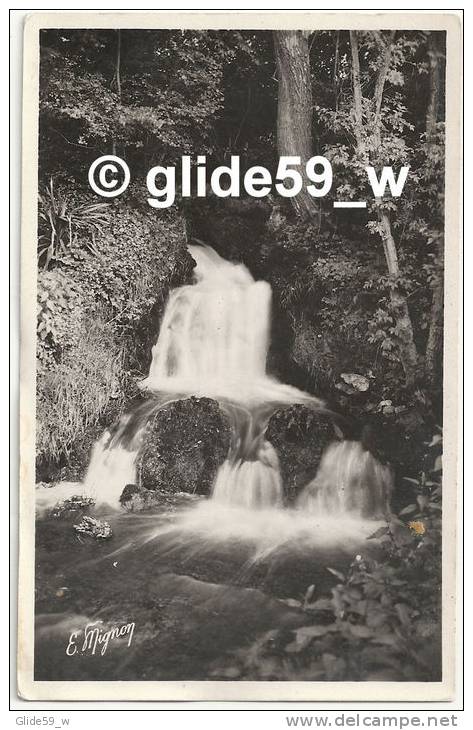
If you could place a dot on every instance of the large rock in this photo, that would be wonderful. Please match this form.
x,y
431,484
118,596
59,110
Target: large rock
x,y
91,527
184,444
299,435
138,499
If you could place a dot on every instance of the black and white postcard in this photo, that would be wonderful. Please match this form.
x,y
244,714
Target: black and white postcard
x,y
240,294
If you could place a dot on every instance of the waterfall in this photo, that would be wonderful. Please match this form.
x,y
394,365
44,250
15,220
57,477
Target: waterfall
x,y
250,476
349,481
214,337
213,342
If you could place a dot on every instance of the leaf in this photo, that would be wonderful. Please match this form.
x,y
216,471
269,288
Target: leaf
x,y
404,613
386,640
358,382
361,632
337,574
422,501
401,533
292,602
305,634
376,618
311,631
309,593
408,510
321,604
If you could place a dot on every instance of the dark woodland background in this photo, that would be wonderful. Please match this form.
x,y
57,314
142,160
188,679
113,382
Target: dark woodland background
x,y
355,292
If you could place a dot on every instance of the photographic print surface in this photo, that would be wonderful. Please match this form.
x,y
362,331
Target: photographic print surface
x,y
239,272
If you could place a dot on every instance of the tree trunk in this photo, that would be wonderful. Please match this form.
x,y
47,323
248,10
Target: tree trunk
x,y
294,126
433,351
335,69
357,96
386,52
407,348
406,344
434,88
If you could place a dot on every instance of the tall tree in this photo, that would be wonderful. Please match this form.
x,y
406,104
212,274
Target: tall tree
x,y
363,131
435,337
295,106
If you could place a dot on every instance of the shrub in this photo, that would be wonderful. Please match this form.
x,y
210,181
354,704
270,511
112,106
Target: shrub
x,y
75,394
62,222
139,257
60,304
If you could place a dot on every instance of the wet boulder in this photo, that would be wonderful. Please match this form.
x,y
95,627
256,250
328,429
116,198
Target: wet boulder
x,y
300,436
138,499
183,447
71,508
91,527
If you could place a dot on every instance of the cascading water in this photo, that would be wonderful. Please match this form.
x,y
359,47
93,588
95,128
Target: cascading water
x,y
349,481
214,338
213,342
214,335
250,476
196,559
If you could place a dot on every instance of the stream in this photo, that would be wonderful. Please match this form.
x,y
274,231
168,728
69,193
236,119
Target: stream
x,y
200,579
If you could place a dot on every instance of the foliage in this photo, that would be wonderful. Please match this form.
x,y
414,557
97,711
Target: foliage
x,y
157,93
59,302
91,338
151,96
321,280
135,260
74,394
403,142
61,223
106,270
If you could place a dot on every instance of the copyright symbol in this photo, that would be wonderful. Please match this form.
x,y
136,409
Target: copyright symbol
x,y
109,176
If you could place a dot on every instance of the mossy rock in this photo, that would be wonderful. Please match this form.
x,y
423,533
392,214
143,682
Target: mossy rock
x,y
183,447
138,499
300,436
